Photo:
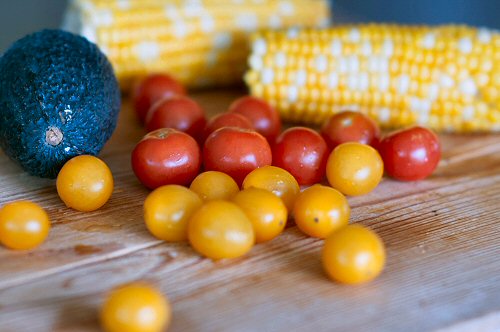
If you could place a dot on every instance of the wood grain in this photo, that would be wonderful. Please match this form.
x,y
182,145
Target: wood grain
x,y
442,237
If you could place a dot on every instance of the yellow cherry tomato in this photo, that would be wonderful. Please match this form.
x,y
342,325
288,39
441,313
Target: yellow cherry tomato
x,y
167,210
276,180
220,229
135,307
23,225
214,185
266,211
353,254
354,168
320,210
85,183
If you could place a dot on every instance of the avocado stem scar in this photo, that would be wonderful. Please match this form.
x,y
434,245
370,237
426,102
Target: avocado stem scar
x,y
53,136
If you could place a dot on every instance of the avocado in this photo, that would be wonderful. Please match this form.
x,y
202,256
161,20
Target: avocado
x,y
59,98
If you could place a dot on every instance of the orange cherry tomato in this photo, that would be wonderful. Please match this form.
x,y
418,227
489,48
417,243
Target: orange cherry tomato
x,y
23,225
354,168
167,211
320,210
153,88
213,185
220,229
353,255
276,180
136,307
266,211
85,183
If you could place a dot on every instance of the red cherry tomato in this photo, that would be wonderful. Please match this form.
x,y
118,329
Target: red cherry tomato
x,y
263,116
236,152
166,156
410,154
350,126
177,112
302,152
226,120
153,88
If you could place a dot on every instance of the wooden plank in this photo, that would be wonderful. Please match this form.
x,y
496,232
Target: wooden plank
x,y
115,229
489,322
441,236
284,277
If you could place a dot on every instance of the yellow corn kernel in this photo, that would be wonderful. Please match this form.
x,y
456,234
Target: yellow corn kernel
x,y
442,77
202,43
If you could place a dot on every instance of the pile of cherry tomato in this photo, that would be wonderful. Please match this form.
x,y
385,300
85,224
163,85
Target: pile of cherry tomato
x,y
249,136
234,180
246,148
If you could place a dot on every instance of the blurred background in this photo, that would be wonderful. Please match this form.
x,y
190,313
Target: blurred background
x,y
20,17
474,12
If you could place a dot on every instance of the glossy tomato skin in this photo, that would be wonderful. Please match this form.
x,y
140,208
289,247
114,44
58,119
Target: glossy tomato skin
x,y
410,154
302,152
221,229
212,185
226,120
276,180
166,156
320,210
135,307
178,112
266,211
167,211
236,152
263,116
85,183
354,168
353,254
350,126
153,88
24,225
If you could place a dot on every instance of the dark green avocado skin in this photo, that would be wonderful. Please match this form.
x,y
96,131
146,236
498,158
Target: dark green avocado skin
x,y
51,83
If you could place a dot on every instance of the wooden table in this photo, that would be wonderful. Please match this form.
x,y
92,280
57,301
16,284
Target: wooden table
x,y
442,237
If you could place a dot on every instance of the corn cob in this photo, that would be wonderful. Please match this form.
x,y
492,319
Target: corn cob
x,y
200,42
445,77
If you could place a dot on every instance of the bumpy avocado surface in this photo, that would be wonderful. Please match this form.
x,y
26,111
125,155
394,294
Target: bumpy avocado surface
x,y
59,98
